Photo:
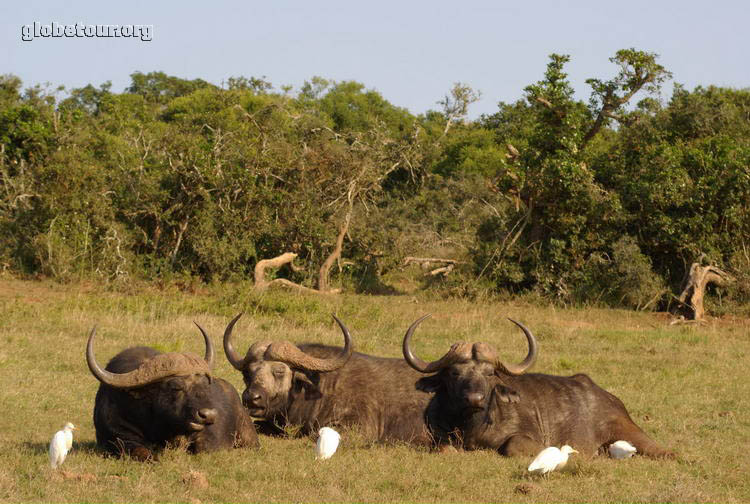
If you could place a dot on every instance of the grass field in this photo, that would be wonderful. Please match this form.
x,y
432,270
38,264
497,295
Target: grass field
x,y
685,385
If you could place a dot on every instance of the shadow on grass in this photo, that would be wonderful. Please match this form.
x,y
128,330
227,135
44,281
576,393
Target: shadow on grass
x,y
83,446
576,469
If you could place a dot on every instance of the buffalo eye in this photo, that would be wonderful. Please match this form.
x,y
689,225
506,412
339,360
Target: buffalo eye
x,y
176,385
279,373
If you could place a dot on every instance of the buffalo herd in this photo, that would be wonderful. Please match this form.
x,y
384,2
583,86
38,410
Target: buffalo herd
x,y
468,398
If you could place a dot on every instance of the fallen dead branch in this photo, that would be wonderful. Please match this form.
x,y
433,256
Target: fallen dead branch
x,y
428,260
262,284
444,268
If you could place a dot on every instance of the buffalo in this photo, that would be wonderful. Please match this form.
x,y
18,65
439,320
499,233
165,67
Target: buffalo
x,y
484,403
147,400
313,385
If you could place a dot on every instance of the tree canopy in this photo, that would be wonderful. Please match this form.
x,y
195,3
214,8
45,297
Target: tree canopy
x,y
607,200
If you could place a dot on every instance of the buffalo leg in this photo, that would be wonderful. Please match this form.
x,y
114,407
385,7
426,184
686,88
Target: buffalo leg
x,y
246,435
134,449
520,445
628,431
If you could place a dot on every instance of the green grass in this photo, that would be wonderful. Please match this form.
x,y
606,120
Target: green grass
x,y
685,385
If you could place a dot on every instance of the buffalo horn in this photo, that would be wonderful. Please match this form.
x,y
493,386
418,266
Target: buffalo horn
x,y
232,356
290,354
525,365
422,366
209,346
158,367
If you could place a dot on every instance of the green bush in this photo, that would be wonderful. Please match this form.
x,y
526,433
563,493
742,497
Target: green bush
x,y
623,279
186,183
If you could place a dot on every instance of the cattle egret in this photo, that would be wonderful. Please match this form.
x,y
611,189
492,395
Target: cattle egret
x,y
60,445
550,459
621,450
328,441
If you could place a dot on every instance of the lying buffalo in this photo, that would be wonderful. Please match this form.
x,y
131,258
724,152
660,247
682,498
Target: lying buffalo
x,y
148,399
313,385
489,404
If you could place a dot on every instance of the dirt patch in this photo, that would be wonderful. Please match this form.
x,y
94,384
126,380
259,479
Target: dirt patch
x,y
32,292
525,488
84,477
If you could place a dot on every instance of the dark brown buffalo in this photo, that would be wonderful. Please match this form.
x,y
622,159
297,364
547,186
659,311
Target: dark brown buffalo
x,y
313,386
148,399
488,404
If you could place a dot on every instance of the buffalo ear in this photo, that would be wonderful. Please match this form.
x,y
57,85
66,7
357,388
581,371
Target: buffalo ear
x,y
429,383
136,394
311,389
506,394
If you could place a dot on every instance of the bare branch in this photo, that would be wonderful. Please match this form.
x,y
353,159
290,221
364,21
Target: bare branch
x,y
283,282
545,102
426,260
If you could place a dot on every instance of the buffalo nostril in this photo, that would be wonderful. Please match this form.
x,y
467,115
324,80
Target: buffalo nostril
x,y
475,398
207,415
251,397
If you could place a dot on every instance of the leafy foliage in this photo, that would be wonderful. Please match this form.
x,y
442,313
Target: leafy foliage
x,y
597,201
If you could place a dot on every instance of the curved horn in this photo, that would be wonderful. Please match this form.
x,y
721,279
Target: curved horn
x,y
116,380
102,375
290,354
348,346
209,358
525,365
232,356
427,367
154,369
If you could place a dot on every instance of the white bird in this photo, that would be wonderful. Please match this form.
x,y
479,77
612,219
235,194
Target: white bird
x,y
621,450
551,458
60,445
328,441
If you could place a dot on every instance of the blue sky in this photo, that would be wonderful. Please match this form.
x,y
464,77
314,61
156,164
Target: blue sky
x,y
410,51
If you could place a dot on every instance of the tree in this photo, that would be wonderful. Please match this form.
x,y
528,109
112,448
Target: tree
x,y
456,105
638,71
681,173
160,87
562,213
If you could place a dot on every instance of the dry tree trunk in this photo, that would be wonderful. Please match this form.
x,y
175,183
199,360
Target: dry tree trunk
x,y
694,286
328,263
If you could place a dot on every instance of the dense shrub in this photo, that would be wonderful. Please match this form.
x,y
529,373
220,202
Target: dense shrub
x,y
178,178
